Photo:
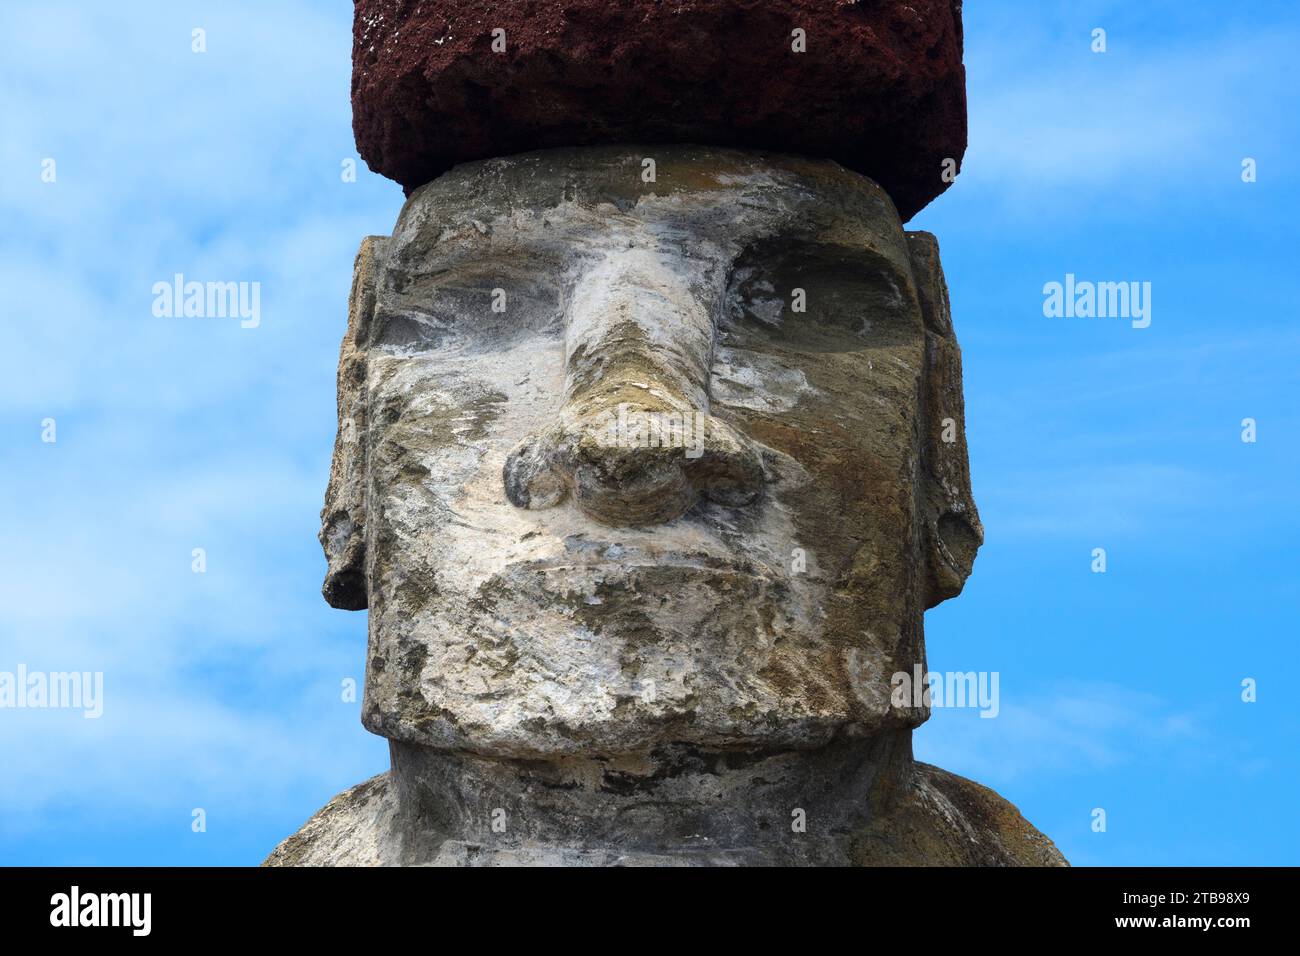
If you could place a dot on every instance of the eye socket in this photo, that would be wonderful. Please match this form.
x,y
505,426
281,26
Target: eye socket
x,y
480,305
822,294
412,329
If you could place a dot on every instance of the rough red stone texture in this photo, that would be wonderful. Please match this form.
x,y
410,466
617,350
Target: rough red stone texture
x,y
881,87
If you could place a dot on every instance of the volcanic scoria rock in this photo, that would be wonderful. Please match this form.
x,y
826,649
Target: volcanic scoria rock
x,y
879,87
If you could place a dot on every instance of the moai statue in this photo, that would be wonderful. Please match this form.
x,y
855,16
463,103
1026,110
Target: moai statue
x,y
647,482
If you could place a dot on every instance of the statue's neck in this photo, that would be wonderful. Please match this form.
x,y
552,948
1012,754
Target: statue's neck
x,y
678,806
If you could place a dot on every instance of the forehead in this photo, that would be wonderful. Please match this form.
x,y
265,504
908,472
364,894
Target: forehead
x,y
533,223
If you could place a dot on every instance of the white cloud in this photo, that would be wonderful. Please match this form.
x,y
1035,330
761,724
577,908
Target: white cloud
x,y
1070,728
1053,125
175,433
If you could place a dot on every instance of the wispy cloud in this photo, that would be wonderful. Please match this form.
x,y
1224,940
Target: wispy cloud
x,y
175,433
1160,112
1071,728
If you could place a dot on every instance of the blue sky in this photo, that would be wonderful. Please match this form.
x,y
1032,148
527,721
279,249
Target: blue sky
x,y
1119,691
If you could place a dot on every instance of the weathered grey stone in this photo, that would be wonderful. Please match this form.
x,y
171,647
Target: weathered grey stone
x,y
646,486
863,804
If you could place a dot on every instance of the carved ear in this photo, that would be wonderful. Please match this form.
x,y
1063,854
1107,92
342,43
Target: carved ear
x,y
343,519
953,532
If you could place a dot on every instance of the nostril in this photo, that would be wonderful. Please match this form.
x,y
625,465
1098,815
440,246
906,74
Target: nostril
x,y
622,472
531,477
730,471
734,485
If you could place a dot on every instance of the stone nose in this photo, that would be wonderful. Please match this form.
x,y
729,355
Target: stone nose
x,y
634,443
634,462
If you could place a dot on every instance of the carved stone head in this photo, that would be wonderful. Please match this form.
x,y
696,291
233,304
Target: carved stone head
x,y
641,448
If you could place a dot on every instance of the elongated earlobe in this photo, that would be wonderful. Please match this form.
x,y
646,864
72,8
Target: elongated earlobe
x,y
953,532
343,519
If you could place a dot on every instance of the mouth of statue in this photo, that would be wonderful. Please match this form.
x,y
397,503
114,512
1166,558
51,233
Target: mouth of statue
x,y
741,568
681,596
644,582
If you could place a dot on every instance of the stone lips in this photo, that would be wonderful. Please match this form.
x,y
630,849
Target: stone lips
x,y
881,88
